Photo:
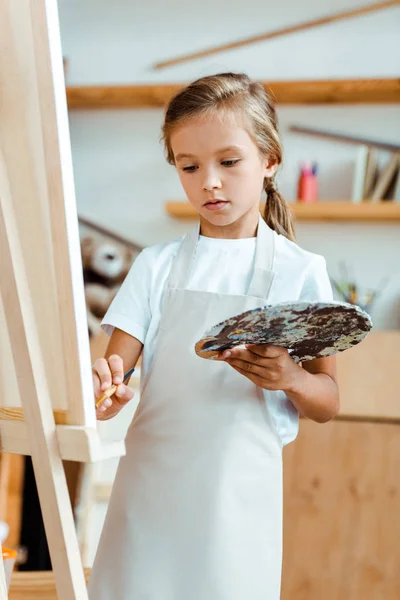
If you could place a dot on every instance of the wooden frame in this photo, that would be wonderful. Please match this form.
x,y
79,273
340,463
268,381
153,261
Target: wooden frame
x,y
332,91
46,367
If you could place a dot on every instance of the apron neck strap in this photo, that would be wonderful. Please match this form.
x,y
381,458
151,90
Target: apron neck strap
x,y
182,264
262,277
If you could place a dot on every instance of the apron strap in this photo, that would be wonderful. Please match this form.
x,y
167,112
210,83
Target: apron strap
x,y
182,264
263,274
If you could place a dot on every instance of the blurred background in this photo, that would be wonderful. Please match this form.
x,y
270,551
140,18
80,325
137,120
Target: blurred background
x,y
338,99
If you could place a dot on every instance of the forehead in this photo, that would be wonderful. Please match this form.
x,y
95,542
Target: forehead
x,y
205,135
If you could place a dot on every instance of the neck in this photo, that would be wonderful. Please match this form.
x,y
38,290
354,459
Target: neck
x,y
244,227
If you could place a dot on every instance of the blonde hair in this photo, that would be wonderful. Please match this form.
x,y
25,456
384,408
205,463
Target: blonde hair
x,y
237,93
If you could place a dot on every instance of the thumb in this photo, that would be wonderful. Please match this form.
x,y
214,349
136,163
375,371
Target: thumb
x,y
123,394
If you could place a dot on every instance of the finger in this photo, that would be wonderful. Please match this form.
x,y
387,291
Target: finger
x,y
102,369
266,350
96,385
108,393
111,406
105,405
257,380
234,350
248,367
117,368
107,411
244,354
123,395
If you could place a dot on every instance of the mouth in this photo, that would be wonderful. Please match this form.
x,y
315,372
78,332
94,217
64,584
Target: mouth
x,y
215,204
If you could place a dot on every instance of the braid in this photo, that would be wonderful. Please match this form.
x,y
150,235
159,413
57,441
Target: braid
x,y
277,213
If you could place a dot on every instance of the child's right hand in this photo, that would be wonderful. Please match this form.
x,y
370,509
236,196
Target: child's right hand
x,y
105,374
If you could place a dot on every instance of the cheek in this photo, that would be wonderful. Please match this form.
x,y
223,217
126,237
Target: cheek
x,y
249,179
251,172
184,179
189,184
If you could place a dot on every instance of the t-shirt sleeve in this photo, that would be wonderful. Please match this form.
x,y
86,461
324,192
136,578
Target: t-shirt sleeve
x,y
130,309
316,286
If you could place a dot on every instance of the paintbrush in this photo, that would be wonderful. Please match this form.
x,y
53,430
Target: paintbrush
x,y
112,389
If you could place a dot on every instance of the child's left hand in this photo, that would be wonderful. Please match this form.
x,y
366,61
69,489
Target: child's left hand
x,y
269,367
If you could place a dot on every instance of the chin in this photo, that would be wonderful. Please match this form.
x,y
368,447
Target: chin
x,y
224,218
219,219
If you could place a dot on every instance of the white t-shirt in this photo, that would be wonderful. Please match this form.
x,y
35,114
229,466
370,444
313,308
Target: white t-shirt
x,y
221,266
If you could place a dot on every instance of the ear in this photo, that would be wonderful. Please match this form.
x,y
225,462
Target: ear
x,y
271,168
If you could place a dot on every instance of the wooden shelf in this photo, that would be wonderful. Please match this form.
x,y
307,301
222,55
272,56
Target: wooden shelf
x,y
35,585
321,211
347,91
346,211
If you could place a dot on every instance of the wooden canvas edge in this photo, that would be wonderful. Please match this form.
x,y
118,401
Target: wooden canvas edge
x,y
63,211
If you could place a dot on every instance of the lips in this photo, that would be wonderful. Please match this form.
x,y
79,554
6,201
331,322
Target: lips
x,y
215,204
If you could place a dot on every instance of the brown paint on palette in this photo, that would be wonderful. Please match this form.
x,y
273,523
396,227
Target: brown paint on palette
x,y
307,329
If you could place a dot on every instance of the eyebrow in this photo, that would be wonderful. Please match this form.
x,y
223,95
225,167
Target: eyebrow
x,y
220,151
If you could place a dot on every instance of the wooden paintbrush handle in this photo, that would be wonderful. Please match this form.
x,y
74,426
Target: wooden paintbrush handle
x,y
111,390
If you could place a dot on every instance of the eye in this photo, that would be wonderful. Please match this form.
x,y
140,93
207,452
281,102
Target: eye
x,y
230,163
190,169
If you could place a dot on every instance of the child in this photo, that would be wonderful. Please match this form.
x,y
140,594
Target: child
x,y
196,507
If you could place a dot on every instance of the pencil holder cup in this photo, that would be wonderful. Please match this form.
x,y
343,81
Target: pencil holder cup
x,y
9,558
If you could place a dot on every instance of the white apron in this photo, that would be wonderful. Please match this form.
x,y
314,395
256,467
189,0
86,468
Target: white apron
x,y
196,507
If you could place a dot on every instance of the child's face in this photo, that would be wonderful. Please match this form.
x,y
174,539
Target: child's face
x,y
220,167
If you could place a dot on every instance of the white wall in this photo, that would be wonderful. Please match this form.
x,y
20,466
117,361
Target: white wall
x,y
122,179
120,41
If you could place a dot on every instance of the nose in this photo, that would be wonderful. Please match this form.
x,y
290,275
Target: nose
x,y
211,181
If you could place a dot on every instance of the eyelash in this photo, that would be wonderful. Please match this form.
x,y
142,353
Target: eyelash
x,y
192,168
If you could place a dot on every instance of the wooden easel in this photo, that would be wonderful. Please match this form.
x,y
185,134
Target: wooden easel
x,y
46,395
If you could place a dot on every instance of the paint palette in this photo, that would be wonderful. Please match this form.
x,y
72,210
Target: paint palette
x,y
307,329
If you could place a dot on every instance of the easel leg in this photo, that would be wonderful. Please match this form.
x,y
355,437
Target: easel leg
x,y
38,410
83,507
